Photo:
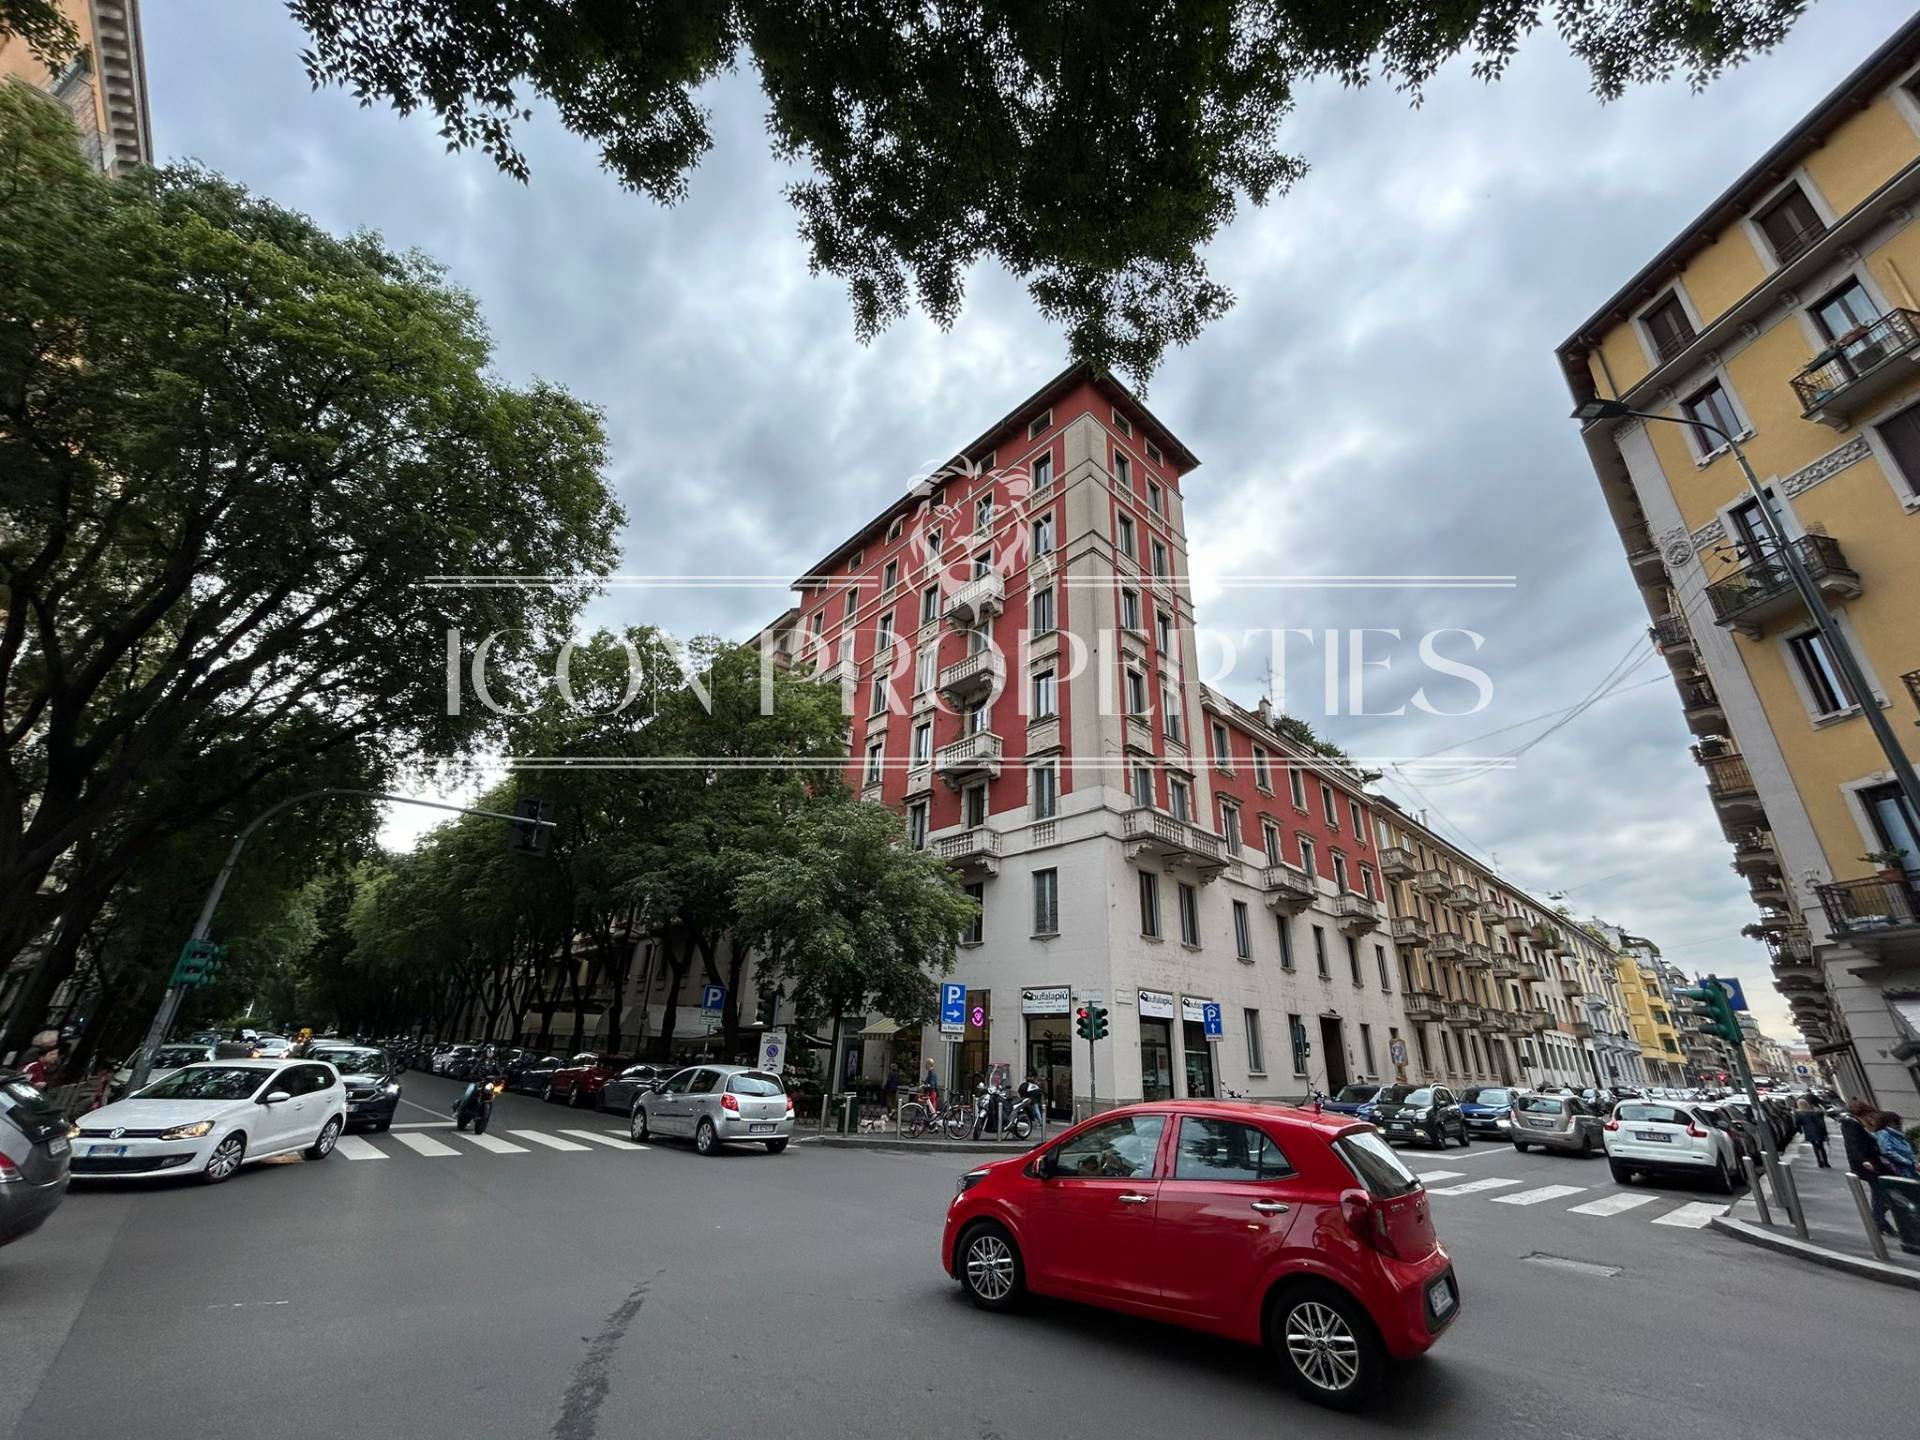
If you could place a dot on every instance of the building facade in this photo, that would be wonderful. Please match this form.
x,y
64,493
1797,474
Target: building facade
x,y
103,87
1787,314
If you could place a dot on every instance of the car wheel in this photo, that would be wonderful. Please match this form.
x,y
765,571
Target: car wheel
x,y
990,1268
1466,1136
1327,1345
637,1125
706,1139
224,1160
1437,1138
547,1094
1621,1174
384,1125
323,1142
576,1098
774,1147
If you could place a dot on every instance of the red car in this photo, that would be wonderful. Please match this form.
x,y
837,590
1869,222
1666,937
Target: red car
x,y
1286,1228
580,1081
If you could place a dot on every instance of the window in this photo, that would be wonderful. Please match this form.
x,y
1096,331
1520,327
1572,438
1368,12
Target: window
x,y
1222,756
1260,775
1130,607
1359,825
1046,902
818,621
976,927
982,565
893,530
1136,693
1043,611
933,542
1844,311
1142,785
1163,627
1791,225
1340,872
922,751
1046,791
1242,930
1122,471
1893,822
1386,976
1297,1038
1179,799
1156,498
853,601
1366,1048
977,639
1189,915
1286,942
929,604
1320,954
917,825
1901,435
1668,327
1127,542
1353,960
1042,471
923,670
1170,706
1327,808
1270,837
1037,426
1159,558
1153,453
876,760
1122,1149
1149,904
974,807
883,634
890,578
1225,1151
1124,426
1709,405
983,515
1306,856
976,718
1297,788
1230,826
1045,701
1043,535
1256,1053
879,694
1366,884
1826,687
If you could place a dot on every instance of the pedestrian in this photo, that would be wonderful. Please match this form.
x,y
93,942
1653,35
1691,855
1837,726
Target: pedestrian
x,y
1813,1128
930,1087
1895,1146
1864,1156
41,1070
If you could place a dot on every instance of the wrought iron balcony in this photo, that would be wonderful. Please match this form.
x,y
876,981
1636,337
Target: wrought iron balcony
x,y
972,757
979,598
1424,1005
1763,588
1176,843
1356,914
1880,915
1729,782
1410,931
1700,702
1858,369
975,853
1673,638
1397,862
971,678
1290,890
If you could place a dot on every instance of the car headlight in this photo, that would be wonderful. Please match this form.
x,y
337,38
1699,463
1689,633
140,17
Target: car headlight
x,y
187,1132
968,1181
1422,1114
393,1087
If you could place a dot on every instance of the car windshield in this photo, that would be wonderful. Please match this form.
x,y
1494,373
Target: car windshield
x,y
174,1056
755,1082
1406,1095
355,1062
1543,1105
1495,1095
1380,1169
206,1082
1354,1094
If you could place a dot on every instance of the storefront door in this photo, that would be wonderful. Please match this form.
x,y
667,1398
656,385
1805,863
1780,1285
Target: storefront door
x,y
1050,1061
1199,1060
1156,1059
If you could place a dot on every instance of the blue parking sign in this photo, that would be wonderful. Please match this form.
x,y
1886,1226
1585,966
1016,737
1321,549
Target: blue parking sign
x,y
953,1005
1735,995
713,999
1210,1020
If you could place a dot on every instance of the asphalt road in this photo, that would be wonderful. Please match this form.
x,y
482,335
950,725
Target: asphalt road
x,y
604,1291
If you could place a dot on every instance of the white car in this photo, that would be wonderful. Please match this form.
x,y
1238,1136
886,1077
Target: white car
x,y
166,1060
209,1120
1666,1137
272,1047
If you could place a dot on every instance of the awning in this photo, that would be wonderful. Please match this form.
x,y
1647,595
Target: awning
x,y
880,1030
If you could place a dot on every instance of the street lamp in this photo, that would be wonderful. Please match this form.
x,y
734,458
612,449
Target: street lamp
x,y
1837,644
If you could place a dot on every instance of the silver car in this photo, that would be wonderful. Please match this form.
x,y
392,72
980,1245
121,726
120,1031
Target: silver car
x,y
715,1105
1557,1122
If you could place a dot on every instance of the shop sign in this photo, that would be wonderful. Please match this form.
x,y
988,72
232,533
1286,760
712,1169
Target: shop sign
x,y
1044,1000
1156,1005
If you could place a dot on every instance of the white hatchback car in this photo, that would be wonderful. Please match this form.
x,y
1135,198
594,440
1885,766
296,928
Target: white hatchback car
x,y
1668,1137
209,1120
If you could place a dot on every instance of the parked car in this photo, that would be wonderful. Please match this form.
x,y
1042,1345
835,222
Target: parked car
x,y
209,1120
166,1060
1352,1100
1659,1137
531,1075
35,1153
445,1060
618,1094
1557,1122
1299,1231
716,1105
1420,1112
1487,1109
372,1079
581,1079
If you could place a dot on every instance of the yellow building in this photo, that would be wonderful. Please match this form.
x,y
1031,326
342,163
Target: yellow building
x,y
104,86
1788,313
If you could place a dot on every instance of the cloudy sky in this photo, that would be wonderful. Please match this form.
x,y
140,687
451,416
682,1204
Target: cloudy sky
x,y
1383,400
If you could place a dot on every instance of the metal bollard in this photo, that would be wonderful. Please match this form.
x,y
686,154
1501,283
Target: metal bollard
x,y
1796,1212
1865,1207
1755,1189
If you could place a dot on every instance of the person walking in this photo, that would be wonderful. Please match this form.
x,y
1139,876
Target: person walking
x,y
930,1087
1894,1145
1813,1129
1864,1156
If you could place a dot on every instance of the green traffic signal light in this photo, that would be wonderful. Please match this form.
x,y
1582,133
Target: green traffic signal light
x,y
1098,1016
1721,1022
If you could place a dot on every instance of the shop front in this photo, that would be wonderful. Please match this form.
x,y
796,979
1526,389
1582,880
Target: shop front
x,y
1196,1049
976,1041
1156,1045
1045,1012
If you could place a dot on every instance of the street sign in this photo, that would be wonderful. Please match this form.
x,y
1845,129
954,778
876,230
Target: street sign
x,y
1210,1020
713,999
773,1050
1735,995
1398,1050
977,1017
953,1007
1802,1070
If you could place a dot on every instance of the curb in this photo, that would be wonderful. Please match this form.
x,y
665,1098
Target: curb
x,y
1816,1254
925,1147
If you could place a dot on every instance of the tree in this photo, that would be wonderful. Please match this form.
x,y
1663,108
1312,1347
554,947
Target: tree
x,y
238,452
1092,149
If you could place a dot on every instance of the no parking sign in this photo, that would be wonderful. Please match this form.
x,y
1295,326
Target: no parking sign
x,y
773,1050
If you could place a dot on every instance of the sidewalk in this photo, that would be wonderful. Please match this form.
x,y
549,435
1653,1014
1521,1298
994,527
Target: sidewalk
x,y
1835,1236
987,1147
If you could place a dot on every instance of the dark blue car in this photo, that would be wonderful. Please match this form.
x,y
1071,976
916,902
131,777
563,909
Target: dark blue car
x,y
1355,1100
1487,1108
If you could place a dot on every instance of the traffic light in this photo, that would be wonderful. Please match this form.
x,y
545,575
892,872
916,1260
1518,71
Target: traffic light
x,y
532,839
769,1006
1098,1014
1083,1022
1715,1009
198,965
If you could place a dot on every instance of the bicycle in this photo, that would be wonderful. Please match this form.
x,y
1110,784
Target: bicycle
x,y
917,1117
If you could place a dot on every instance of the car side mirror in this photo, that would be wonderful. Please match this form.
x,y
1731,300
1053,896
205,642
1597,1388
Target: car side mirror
x,y
1041,1167
275,1097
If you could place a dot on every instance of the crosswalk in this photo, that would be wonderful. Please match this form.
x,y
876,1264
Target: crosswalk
x,y
395,1143
1503,1190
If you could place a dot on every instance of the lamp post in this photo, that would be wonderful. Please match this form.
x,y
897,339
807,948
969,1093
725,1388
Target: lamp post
x,y
1838,647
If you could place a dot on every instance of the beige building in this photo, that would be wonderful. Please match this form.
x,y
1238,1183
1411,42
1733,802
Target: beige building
x,y
104,85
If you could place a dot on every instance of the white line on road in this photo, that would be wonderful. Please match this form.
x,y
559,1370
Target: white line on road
x,y
354,1148
1427,1177
614,1138
424,1145
423,1109
1475,1186
423,1125
493,1143
1691,1217
1534,1197
552,1142
1613,1204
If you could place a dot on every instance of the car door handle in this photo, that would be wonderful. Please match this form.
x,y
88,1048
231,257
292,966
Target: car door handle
x,y
1269,1207
1133,1199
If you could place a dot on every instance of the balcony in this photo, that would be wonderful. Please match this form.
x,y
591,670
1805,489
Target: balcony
x,y
1459,1012
1410,931
1763,589
1464,898
1505,965
974,853
1571,987
1880,915
1674,639
1478,955
1540,1021
1490,911
1433,882
972,757
1356,914
1701,705
1643,556
1729,783
1858,369
973,678
1424,1005
1398,863
1290,890
1174,843
1514,924
979,599
1449,946
1580,1030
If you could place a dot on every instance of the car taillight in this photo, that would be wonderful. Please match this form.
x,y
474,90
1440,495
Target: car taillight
x,y
9,1172
789,1107
1613,1124
1694,1132
730,1102
1367,1222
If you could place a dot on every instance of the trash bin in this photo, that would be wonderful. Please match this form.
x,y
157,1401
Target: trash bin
x,y
1903,1208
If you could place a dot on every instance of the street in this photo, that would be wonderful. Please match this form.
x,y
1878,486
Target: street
x,y
421,1284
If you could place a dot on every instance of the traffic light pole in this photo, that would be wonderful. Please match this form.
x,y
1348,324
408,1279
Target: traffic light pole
x,y
170,1002
1783,1190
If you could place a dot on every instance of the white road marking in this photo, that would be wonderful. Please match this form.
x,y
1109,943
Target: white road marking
x,y
423,1109
1534,1197
354,1148
616,1139
1613,1204
552,1142
424,1145
1473,1187
493,1143
1427,1177
423,1125
1691,1217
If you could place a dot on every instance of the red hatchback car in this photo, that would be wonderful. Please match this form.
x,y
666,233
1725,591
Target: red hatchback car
x,y
1286,1228
580,1081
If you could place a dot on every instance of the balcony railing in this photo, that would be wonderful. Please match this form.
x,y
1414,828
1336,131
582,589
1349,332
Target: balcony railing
x,y
1580,1030
1459,1012
970,756
1290,889
1764,588
1449,946
1356,914
1478,954
1178,843
1671,634
1424,1005
1540,1021
980,597
1858,368
974,852
1491,912
1410,930
975,675
1398,863
1728,778
1872,912
1433,882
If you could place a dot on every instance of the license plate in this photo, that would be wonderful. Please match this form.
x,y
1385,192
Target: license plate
x,y
57,1147
759,1129
109,1152
1540,1124
1440,1296
1654,1135
1398,1125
